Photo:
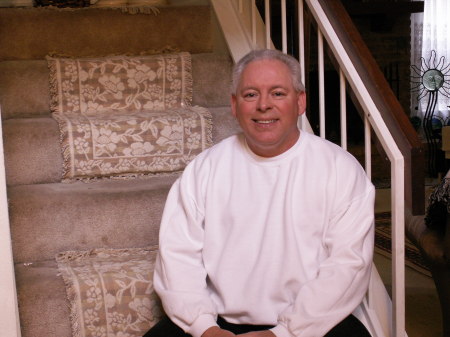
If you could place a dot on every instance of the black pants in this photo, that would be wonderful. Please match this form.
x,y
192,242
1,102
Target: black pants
x,y
349,327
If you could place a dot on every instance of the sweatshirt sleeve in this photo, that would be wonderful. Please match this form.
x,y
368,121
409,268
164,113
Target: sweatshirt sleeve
x,y
180,277
343,277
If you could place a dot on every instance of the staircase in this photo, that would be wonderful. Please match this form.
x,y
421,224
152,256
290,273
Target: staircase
x,y
47,216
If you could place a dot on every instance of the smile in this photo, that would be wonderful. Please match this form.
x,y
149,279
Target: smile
x,y
265,121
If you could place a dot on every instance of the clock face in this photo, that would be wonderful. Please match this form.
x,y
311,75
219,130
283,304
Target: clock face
x,y
432,79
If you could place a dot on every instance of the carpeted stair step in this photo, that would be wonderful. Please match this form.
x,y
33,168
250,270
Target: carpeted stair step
x,y
31,136
32,33
24,88
49,218
32,151
43,305
33,154
24,85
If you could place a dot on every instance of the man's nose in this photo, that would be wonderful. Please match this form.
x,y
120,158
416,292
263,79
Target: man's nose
x,y
264,103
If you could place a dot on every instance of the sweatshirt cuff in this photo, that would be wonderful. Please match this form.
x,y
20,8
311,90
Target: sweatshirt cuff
x,y
281,331
201,324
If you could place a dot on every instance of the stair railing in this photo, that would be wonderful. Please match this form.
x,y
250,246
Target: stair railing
x,y
9,312
245,30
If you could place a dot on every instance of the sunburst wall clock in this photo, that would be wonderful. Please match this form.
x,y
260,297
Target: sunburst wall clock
x,y
429,81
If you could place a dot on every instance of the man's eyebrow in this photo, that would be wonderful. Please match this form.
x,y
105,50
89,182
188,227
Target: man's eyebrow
x,y
248,88
278,86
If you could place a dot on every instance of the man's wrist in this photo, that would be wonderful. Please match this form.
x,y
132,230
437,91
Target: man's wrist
x,y
201,324
211,332
215,331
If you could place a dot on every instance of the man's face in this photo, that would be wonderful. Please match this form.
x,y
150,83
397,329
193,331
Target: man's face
x,y
267,106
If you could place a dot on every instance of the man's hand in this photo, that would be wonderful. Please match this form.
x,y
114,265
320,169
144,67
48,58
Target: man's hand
x,y
215,331
264,333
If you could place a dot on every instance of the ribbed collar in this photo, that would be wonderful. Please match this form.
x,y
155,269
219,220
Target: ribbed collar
x,y
285,156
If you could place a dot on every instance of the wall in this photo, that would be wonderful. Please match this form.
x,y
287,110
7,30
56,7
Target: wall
x,y
388,38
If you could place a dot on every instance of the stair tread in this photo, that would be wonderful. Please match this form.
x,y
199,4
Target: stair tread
x,y
88,32
49,218
32,150
43,305
33,153
25,90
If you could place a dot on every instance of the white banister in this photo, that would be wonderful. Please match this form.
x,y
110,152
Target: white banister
x,y
283,26
254,10
367,148
303,121
395,157
268,23
343,109
321,83
398,246
301,39
9,312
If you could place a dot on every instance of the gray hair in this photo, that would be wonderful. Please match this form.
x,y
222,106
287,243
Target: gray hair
x,y
267,54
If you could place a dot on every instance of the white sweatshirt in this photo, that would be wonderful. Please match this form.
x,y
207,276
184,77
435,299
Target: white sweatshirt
x,y
284,241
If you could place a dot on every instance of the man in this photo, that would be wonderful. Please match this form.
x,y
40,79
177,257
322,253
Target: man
x,y
270,232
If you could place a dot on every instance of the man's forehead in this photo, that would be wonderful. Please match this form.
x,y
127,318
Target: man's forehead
x,y
269,86
266,63
266,72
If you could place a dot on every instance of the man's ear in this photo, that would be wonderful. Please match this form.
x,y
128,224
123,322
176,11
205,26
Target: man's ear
x,y
233,105
301,101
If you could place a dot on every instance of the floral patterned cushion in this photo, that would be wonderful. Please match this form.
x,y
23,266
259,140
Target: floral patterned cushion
x,y
133,144
110,291
95,85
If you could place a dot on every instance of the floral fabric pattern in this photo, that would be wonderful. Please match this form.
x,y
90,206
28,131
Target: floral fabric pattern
x,y
111,291
126,116
97,85
140,143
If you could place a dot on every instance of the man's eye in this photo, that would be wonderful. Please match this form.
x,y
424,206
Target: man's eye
x,y
278,94
250,95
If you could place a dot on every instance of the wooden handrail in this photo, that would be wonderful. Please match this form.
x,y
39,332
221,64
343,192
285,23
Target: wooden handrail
x,y
391,111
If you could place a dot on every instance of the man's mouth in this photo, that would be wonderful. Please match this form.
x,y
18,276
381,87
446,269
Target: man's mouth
x,y
259,121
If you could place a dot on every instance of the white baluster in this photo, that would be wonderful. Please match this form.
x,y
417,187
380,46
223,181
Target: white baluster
x,y
268,23
343,109
283,26
321,84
